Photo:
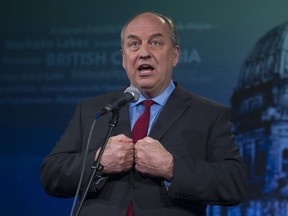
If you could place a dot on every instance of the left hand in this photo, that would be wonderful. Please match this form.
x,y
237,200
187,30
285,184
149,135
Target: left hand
x,y
153,159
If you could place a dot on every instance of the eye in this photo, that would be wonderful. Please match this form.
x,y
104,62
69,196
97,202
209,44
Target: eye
x,y
134,44
155,43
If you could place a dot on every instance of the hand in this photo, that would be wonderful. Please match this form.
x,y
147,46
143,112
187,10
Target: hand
x,y
118,155
153,159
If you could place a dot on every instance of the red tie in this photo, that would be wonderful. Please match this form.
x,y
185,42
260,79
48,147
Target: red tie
x,y
139,131
140,128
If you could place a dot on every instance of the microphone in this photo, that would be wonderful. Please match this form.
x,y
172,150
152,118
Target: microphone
x,y
130,94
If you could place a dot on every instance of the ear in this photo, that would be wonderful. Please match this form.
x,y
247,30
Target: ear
x,y
123,59
176,53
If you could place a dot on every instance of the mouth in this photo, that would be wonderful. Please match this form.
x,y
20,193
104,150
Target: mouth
x,y
145,68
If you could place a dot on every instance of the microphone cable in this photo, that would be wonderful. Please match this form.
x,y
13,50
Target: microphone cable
x,y
82,169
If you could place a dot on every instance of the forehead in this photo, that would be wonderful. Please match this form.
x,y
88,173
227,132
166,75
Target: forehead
x,y
146,24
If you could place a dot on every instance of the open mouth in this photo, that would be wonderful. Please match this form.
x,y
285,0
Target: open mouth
x,y
145,67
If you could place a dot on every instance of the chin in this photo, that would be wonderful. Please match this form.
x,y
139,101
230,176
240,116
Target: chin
x,y
146,87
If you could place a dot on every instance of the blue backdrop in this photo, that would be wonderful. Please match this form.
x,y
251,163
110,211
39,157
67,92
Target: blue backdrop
x,y
55,53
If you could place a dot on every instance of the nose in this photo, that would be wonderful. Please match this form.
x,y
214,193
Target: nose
x,y
144,52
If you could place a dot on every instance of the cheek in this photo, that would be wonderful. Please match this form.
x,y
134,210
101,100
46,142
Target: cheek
x,y
171,57
168,62
128,61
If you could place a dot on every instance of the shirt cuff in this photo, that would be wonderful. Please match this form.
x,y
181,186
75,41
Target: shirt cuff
x,y
168,184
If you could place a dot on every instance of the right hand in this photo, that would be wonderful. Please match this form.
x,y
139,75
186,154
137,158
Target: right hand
x,y
118,155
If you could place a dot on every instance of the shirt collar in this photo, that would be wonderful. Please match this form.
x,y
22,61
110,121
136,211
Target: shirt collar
x,y
160,99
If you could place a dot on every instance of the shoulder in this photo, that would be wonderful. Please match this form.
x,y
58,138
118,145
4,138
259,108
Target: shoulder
x,y
195,100
98,102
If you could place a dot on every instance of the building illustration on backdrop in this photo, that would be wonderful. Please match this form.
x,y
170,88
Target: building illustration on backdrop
x,y
259,107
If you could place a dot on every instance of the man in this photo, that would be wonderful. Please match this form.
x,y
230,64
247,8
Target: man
x,y
188,159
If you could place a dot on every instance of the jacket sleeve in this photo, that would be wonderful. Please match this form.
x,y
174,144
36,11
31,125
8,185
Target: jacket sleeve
x,y
217,179
61,169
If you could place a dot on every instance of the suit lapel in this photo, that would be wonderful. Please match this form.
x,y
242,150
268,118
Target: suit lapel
x,y
174,108
123,122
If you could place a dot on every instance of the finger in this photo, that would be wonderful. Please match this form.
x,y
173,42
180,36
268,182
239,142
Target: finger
x,y
148,140
139,144
123,138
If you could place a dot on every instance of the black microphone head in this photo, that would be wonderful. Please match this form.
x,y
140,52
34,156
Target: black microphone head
x,y
130,94
134,91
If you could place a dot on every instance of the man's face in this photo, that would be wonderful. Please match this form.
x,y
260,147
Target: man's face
x,y
148,55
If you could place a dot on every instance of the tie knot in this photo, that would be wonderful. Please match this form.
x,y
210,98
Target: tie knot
x,y
148,103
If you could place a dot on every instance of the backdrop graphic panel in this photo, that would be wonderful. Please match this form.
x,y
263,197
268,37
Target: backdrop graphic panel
x,y
54,54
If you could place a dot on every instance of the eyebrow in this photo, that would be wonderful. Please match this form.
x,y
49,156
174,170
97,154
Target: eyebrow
x,y
131,36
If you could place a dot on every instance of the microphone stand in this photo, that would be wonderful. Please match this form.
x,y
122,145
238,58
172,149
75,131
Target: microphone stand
x,y
97,167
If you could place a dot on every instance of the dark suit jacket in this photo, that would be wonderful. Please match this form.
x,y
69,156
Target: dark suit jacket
x,y
196,131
